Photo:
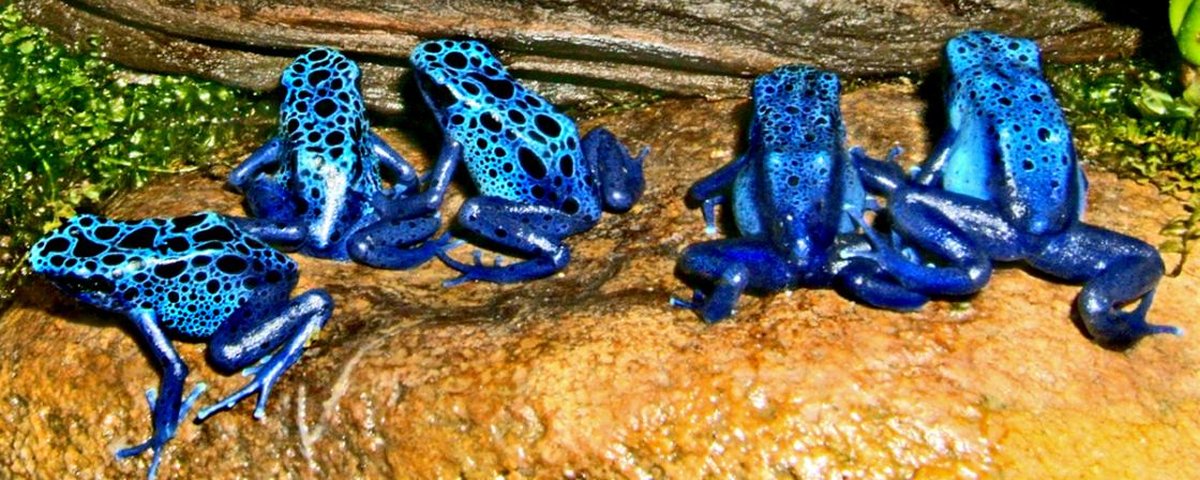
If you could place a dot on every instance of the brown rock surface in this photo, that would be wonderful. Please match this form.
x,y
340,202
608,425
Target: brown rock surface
x,y
589,373
582,49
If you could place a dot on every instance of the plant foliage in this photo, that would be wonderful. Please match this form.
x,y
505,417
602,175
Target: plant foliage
x,y
1139,122
75,129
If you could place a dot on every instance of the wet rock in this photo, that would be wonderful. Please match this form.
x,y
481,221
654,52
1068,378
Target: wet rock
x,y
590,373
583,50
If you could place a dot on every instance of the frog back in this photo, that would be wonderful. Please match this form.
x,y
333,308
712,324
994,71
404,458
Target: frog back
x,y
516,145
327,164
797,143
1014,146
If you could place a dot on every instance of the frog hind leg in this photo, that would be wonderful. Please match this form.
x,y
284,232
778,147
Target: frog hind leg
x,y
260,332
167,404
621,179
405,175
427,202
940,224
397,243
866,282
732,265
534,230
1115,270
269,199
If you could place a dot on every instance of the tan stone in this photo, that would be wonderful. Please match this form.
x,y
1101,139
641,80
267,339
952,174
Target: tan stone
x,y
590,373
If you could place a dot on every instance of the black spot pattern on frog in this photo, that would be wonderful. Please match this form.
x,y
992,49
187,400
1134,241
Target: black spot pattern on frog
x,y
996,81
161,266
517,146
799,129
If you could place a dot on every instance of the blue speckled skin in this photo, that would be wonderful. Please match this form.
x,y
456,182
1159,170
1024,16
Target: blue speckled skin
x,y
323,170
1004,184
199,277
793,192
538,182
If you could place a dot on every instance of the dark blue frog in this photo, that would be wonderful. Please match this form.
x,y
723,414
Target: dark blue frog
x,y
538,182
324,171
1003,184
200,277
792,194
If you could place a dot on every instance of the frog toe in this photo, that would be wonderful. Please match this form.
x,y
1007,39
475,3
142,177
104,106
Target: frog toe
x,y
155,444
695,303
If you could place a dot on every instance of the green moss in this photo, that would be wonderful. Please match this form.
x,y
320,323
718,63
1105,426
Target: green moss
x,y
75,129
1139,122
1125,120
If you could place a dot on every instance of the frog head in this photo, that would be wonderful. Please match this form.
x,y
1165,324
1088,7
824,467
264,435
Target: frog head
x,y
81,259
322,98
976,48
460,74
797,109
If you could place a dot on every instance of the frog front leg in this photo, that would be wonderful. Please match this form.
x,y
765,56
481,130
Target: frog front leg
x,y
167,403
621,178
261,330
266,197
732,265
1115,270
391,160
534,230
711,190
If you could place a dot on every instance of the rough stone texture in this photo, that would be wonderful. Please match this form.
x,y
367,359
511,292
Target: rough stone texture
x,y
584,50
589,373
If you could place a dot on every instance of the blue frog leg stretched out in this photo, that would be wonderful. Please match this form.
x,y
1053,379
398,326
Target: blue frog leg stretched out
x,y
167,403
1115,270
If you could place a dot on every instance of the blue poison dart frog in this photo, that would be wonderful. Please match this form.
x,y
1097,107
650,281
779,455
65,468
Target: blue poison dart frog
x,y
538,182
202,277
791,194
1003,184
324,170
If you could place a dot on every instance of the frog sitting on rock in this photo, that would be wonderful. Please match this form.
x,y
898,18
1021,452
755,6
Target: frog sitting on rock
x,y
792,194
324,171
1003,184
201,277
538,181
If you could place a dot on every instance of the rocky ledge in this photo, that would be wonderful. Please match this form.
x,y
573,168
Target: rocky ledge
x,y
591,374
582,50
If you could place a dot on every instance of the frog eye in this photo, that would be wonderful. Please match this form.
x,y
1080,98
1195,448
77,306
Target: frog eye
x,y
89,284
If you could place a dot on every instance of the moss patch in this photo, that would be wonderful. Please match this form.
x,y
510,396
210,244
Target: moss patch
x,y
1138,121
75,129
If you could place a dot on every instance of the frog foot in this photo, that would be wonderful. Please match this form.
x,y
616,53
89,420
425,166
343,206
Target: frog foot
x,y
1117,329
301,322
695,303
156,442
880,247
469,272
